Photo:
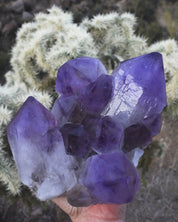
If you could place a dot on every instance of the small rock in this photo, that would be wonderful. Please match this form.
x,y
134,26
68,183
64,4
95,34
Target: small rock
x,y
17,6
9,27
26,16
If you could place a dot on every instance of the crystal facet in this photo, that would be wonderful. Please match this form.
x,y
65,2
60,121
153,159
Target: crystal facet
x,y
135,136
97,94
110,178
111,136
77,73
76,140
92,125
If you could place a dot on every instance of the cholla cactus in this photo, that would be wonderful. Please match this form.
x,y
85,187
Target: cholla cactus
x,y
8,172
43,45
114,36
52,39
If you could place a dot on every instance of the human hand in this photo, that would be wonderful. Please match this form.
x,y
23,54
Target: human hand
x,y
93,213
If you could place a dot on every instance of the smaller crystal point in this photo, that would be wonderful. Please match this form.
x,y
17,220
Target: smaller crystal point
x,y
77,73
140,134
110,178
76,140
97,94
111,136
136,135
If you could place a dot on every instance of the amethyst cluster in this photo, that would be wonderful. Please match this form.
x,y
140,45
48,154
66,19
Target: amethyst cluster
x,y
89,144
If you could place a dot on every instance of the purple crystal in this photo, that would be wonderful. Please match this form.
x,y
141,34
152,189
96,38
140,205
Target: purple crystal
x,y
77,73
111,136
110,178
135,136
76,140
38,150
30,121
140,134
139,90
92,125
97,94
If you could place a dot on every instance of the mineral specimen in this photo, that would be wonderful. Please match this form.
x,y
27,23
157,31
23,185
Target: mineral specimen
x,y
90,143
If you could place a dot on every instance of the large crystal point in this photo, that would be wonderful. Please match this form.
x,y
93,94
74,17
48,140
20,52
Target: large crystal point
x,y
39,152
110,178
77,73
139,90
97,94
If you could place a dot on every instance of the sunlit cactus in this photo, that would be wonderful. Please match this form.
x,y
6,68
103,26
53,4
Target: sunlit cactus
x,y
114,36
44,45
8,171
8,174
